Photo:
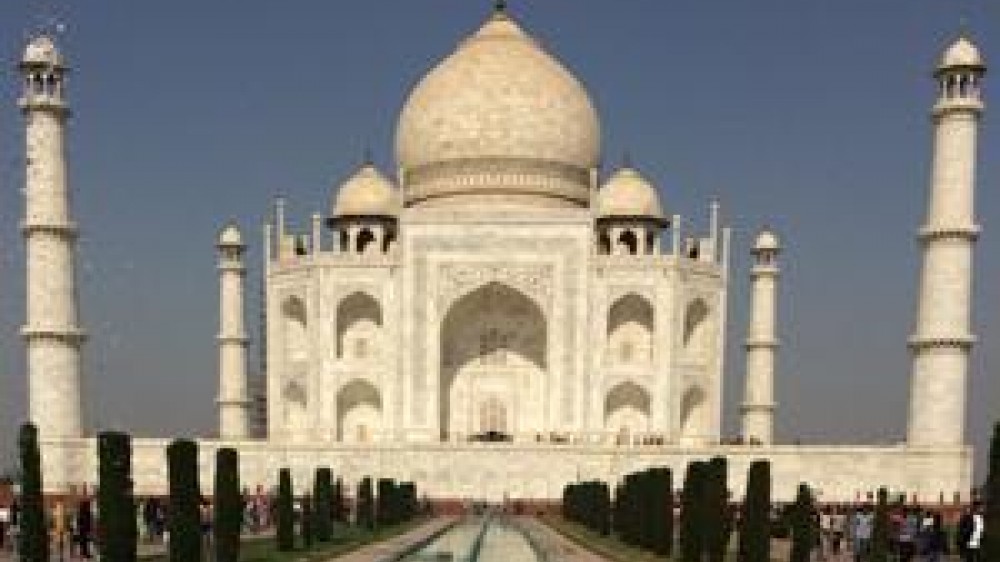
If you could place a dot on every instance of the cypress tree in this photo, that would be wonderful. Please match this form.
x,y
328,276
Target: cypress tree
x,y
803,526
228,512
692,512
409,492
716,494
366,505
661,511
991,540
33,538
385,503
755,522
880,528
604,509
323,504
183,511
339,506
646,512
285,533
307,529
118,532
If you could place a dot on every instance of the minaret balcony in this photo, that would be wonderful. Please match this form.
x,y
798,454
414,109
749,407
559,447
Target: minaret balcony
x,y
68,229
930,233
964,342
39,102
61,333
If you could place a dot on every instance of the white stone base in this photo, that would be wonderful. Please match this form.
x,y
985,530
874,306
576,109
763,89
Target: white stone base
x,y
535,471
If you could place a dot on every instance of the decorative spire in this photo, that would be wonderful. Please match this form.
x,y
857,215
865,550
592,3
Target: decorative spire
x,y
627,159
367,159
500,6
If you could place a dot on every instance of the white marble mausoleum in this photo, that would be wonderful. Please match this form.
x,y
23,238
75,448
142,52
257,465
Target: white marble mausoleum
x,y
498,314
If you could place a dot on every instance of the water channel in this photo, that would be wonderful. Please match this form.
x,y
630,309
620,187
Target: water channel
x,y
484,539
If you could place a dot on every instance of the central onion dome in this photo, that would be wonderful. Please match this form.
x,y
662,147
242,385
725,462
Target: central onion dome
x,y
499,121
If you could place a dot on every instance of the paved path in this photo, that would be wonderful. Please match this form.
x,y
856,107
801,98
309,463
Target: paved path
x,y
395,546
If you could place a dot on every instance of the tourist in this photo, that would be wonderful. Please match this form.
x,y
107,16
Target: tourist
x,y
206,516
838,522
59,525
825,532
4,525
933,538
971,527
909,529
861,532
150,517
83,529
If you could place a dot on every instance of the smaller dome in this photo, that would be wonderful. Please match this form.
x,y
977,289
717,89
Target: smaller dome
x,y
628,194
962,54
42,50
767,241
230,236
367,193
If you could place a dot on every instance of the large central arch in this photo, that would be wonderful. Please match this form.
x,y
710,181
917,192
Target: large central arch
x,y
494,342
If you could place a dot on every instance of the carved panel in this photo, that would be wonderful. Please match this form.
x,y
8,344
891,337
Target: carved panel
x,y
458,279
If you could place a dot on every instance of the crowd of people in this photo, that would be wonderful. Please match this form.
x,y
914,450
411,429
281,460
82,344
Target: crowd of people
x,y
915,534
844,532
73,525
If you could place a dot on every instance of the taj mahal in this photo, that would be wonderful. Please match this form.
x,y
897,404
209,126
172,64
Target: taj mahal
x,y
499,315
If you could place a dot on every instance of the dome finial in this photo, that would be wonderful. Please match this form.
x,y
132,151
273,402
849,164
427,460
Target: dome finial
x,y
963,26
366,156
627,159
500,6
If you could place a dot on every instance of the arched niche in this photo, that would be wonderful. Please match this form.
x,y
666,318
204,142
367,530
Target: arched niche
x,y
296,339
627,409
697,331
359,327
630,331
694,414
295,402
359,412
494,342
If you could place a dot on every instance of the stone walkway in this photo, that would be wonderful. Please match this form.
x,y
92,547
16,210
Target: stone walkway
x,y
387,550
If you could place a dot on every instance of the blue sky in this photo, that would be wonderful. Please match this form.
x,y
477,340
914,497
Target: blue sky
x,y
809,116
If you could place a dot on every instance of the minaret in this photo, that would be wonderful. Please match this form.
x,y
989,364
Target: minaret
x,y
762,342
51,330
942,337
234,402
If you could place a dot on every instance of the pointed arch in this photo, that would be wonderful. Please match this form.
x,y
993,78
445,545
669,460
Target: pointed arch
x,y
697,330
359,327
295,399
494,342
693,413
629,241
295,324
365,240
627,409
359,412
631,323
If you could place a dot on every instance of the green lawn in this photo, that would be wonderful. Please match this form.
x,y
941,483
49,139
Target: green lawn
x,y
609,547
347,539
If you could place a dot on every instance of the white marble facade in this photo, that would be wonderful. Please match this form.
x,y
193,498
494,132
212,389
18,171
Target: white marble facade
x,y
496,285
500,283
485,322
